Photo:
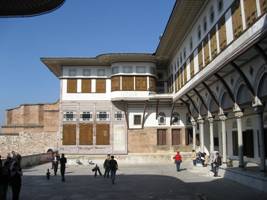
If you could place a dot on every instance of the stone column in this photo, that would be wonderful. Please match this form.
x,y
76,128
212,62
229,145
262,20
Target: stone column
x,y
260,130
194,126
211,135
201,133
238,115
223,118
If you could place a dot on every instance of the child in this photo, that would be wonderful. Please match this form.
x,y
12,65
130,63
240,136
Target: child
x,y
48,174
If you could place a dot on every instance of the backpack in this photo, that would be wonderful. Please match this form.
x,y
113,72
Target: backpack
x,y
219,161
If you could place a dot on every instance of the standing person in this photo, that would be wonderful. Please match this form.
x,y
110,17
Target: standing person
x,y
107,166
63,162
113,168
4,180
217,162
177,159
55,163
15,180
194,157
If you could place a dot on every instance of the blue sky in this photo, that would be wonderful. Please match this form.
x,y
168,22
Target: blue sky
x,y
77,29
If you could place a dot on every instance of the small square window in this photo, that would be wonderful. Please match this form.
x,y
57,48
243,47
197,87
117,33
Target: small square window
x,y
127,69
72,72
137,119
205,24
115,70
199,32
102,116
100,72
86,116
140,69
86,72
184,53
69,116
118,115
211,15
191,43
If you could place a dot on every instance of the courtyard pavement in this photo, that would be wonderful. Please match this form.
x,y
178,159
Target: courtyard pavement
x,y
157,181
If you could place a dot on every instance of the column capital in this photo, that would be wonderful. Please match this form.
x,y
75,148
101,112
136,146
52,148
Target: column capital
x,y
200,120
239,114
257,102
211,119
222,117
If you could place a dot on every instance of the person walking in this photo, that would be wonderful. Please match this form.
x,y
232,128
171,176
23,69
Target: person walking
x,y
107,166
63,161
113,168
15,180
178,159
194,157
4,180
217,162
96,169
56,160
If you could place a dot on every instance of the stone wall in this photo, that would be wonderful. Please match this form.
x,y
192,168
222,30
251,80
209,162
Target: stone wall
x,y
145,141
30,129
27,143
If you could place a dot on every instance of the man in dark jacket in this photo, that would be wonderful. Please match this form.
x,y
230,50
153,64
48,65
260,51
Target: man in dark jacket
x,y
107,166
113,168
63,162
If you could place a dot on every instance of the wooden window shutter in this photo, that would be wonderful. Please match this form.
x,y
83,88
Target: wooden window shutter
x,y
236,19
263,5
115,83
213,42
176,86
250,11
141,83
100,85
69,134
192,71
176,137
152,84
102,134
86,85
200,57
128,83
182,76
222,33
71,85
179,79
86,134
161,137
185,73
206,51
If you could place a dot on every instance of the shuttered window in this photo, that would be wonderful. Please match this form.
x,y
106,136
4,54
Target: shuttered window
x,y
161,137
127,83
176,137
182,76
236,18
86,85
213,42
176,82
192,71
185,74
69,134
72,86
206,51
179,79
200,57
152,84
222,33
250,11
115,83
263,5
141,83
100,85
102,134
86,134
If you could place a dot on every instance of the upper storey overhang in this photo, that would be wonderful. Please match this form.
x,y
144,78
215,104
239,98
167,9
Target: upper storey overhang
x,y
181,20
27,8
55,64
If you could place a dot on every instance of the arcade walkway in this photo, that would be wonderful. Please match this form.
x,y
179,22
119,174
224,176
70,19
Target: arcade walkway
x,y
133,183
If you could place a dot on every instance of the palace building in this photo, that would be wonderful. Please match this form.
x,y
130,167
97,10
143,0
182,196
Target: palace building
x,y
204,87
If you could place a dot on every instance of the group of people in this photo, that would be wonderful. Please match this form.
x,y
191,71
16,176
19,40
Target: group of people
x,y
56,160
203,159
10,175
110,165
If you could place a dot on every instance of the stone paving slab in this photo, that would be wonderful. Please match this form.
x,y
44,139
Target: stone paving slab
x,y
134,182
